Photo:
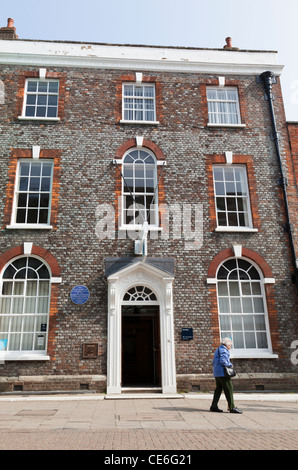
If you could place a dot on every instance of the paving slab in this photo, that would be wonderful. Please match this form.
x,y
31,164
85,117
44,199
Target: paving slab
x,y
91,422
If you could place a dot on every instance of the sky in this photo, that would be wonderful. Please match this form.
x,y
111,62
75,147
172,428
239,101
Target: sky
x,y
252,24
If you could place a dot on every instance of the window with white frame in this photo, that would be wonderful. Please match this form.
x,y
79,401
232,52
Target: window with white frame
x,y
242,305
139,194
231,196
41,98
139,103
139,294
24,306
223,105
32,203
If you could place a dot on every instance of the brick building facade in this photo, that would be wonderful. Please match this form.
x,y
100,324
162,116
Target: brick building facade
x,y
141,218
293,178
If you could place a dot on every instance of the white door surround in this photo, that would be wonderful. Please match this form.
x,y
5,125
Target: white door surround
x,y
160,282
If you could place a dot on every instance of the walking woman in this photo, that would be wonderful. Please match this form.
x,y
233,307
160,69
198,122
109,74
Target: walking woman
x,y
222,358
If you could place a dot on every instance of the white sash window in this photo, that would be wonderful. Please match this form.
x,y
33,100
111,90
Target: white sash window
x,y
223,105
32,202
242,306
41,99
231,196
139,103
24,307
139,189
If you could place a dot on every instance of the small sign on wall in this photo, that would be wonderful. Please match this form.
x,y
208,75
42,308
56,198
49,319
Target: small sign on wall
x,y
187,334
90,350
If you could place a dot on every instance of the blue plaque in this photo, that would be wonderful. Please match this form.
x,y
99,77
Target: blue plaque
x,y
79,295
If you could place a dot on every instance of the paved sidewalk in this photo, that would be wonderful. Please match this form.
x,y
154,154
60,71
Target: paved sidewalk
x,y
91,422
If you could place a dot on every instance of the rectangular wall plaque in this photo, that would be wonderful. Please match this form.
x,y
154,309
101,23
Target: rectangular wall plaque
x,y
90,350
187,334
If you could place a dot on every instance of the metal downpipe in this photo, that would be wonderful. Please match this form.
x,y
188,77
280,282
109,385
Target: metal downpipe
x,y
267,78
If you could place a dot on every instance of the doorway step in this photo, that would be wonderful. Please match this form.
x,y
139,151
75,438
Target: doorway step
x,y
142,392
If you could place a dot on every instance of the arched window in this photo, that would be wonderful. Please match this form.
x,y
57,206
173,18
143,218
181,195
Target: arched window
x,y
24,306
139,293
139,192
242,305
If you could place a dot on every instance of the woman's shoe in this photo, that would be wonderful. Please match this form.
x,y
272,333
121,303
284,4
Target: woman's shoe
x,y
235,410
216,409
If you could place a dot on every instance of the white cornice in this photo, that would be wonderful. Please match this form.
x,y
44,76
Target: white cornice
x,y
55,54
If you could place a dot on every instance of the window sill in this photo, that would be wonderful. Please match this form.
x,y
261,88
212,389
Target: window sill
x,y
28,118
236,229
19,356
252,355
28,227
153,123
209,124
266,280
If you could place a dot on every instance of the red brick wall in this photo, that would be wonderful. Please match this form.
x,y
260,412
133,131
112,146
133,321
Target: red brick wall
x,y
293,179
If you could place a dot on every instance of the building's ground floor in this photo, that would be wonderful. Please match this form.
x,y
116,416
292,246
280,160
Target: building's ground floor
x,y
82,383
143,325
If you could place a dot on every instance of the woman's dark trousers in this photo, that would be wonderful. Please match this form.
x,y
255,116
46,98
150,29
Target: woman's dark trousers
x,y
223,384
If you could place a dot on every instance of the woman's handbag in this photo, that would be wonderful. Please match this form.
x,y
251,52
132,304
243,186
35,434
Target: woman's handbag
x,y
229,372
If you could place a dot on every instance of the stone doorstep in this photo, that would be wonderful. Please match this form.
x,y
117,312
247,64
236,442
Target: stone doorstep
x,y
150,396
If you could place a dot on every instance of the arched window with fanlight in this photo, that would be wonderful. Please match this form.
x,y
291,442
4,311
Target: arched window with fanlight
x,y
139,188
139,294
242,306
24,307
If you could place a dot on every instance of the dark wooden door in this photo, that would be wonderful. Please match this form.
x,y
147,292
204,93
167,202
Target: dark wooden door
x,y
140,349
